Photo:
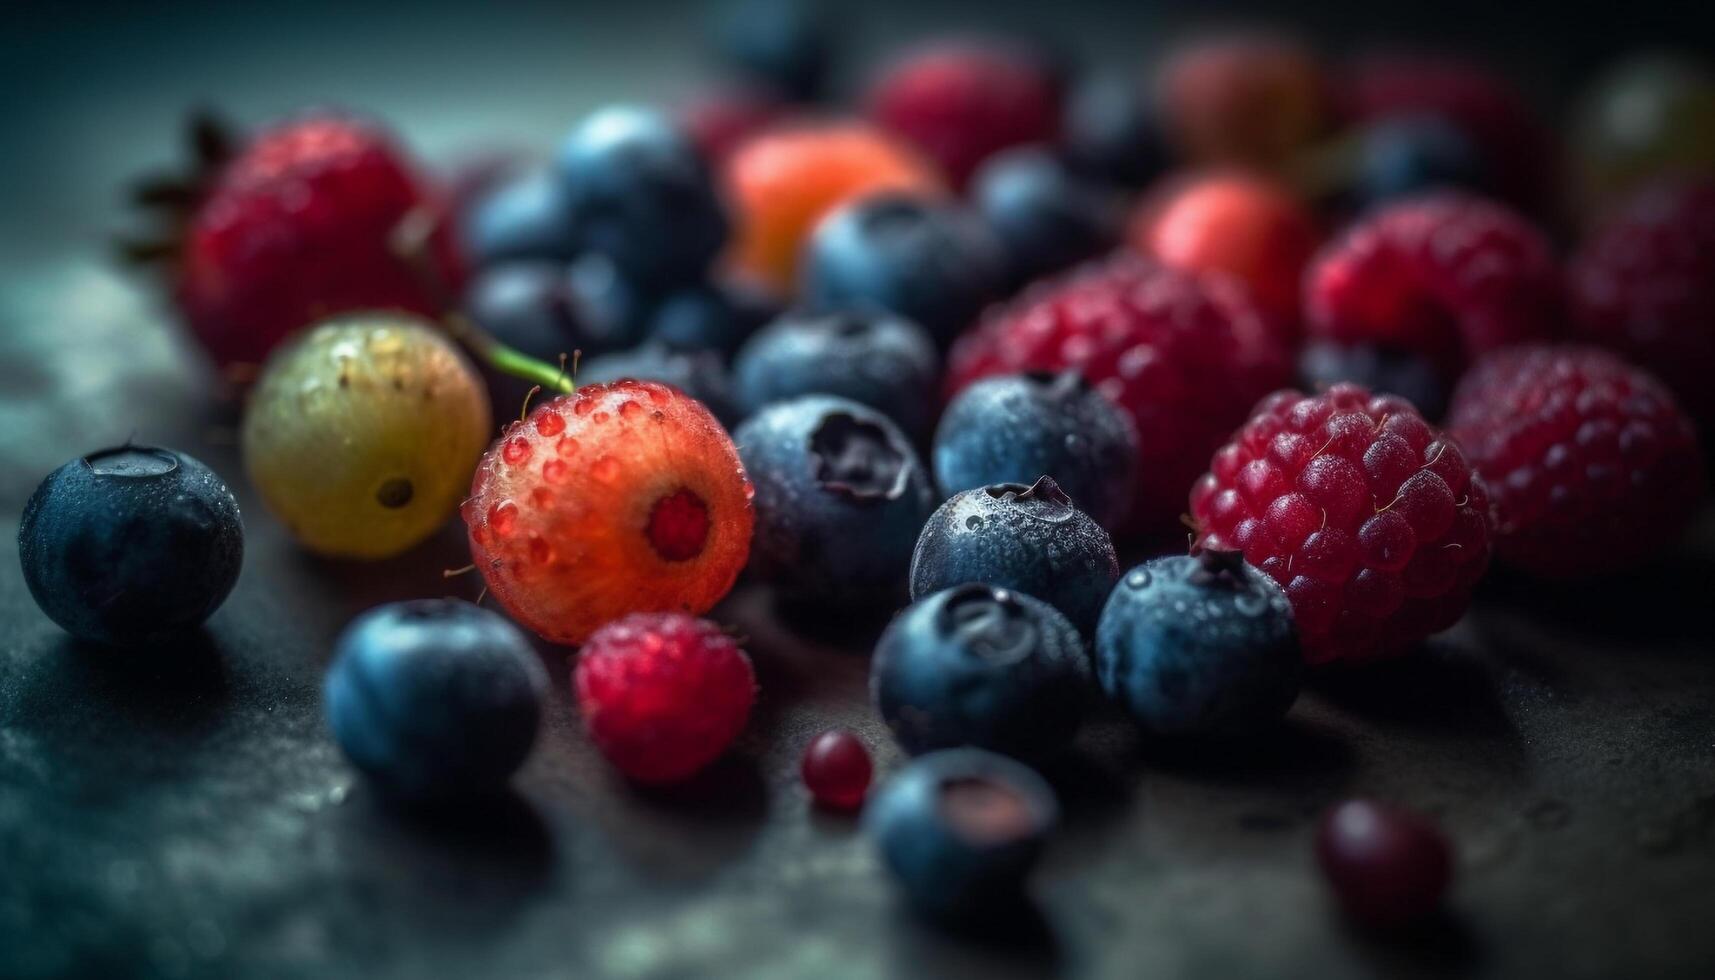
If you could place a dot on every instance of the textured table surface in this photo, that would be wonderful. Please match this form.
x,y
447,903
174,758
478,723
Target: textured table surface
x,y
181,812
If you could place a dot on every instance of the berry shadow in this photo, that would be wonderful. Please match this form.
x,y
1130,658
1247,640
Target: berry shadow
x,y
1439,944
691,829
1294,752
175,686
1012,940
1435,689
1664,601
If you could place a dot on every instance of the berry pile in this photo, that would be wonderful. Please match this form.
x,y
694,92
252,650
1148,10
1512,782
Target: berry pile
x,y
1078,295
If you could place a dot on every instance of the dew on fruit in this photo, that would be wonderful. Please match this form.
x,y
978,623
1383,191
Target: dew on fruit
x,y
601,418
629,409
517,450
1138,579
550,423
973,522
129,461
554,471
503,518
605,469
567,446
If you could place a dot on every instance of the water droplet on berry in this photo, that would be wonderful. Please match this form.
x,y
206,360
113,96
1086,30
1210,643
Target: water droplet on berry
x,y
605,469
583,407
550,423
600,418
516,451
540,553
567,446
973,522
503,518
629,409
554,471
1138,579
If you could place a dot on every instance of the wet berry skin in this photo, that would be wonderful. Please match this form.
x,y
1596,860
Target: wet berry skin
x,y
620,498
523,217
698,373
433,698
715,317
362,432
961,830
1369,518
836,769
1387,866
1185,355
1031,539
1017,427
637,191
1199,645
876,359
1591,464
1113,132
1048,216
782,46
981,665
933,263
1448,276
783,182
840,498
663,694
130,544
1383,370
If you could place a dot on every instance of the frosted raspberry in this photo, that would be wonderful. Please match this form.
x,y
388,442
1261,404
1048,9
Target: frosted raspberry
x,y
663,694
1184,354
1591,465
1366,515
625,497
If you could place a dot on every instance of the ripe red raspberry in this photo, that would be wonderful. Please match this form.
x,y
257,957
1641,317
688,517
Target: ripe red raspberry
x,y
1185,354
961,103
1247,226
1589,461
299,226
663,694
1516,147
620,498
1365,514
1447,276
1644,284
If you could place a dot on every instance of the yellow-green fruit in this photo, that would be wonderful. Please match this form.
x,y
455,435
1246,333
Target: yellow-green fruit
x,y
1650,116
362,434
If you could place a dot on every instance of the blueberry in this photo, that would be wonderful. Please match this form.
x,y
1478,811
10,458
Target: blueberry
x,y
961,830
1113,133
711,317
1380,369
638,192
1028,538
434,697
875,359
1048,218
699,374
780,45
1015,428
981,665
1406,155
525,217
131,544
840,497
1199,645
932,262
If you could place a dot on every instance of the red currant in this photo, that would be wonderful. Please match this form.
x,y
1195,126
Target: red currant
x,y
1388,866
837,769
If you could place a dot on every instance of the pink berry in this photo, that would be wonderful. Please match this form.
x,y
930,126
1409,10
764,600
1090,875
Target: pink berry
x,y
1387,866
836,769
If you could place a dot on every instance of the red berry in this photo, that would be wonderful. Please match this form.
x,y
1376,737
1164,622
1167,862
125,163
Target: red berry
x,y
1644,284
299,226
1247,99
1186,355
620,498
1516,147
1249,227
1365,514
1590,463
1387,866
663,694
1447,276
961,103
836,769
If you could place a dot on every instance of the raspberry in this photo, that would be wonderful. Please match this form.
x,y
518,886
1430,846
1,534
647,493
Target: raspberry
x,y
1184,354
299,226
961,103
1590,463
1248,227
620,498
1644,284
783,181
1365,514
662,694
1447,276
1247,99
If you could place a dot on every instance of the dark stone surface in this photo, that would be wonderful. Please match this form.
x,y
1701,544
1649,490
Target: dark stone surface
x,y
182,812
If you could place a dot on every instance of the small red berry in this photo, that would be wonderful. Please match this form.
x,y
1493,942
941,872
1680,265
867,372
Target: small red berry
x,y
620,498
1387,866
663,694
1447,276
837,770
1184,354
1366,515
1590,463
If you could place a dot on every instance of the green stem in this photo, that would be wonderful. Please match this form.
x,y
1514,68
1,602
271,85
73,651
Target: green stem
x,y
508,360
